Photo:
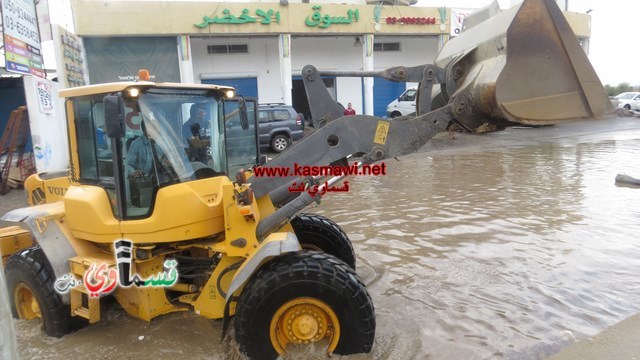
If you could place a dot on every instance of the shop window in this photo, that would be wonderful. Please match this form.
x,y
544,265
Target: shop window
x,y
228,49
390,46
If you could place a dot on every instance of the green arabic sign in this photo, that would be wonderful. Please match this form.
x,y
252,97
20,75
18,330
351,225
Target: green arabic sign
x,y
265,17
324,21
269,16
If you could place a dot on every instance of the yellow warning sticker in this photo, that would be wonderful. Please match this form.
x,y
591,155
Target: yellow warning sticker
x,y
381,133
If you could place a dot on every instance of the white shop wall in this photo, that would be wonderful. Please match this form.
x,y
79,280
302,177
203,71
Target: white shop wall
x,y
262,61
414,51
331,53
339,53
325,53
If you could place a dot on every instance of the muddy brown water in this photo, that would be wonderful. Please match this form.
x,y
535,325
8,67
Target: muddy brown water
x,y
507,247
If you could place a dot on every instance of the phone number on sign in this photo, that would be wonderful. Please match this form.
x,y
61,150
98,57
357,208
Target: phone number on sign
x,y
411,20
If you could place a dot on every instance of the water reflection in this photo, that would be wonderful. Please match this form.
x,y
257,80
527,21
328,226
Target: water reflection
x,y
510,253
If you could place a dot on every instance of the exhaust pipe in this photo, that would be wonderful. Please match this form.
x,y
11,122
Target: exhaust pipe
x,y
523,65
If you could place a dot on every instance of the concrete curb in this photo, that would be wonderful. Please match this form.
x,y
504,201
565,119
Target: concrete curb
x,y
620,341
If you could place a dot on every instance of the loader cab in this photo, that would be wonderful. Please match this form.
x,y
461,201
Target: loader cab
x,y
143,138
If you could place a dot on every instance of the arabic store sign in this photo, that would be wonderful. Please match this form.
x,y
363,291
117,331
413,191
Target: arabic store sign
x,y
270,16
265,17
324,21
21,37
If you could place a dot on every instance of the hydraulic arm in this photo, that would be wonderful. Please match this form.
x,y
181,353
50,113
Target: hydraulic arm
x,y
497,72
340,138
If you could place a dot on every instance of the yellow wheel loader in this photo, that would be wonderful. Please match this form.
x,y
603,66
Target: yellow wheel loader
x,y
166,215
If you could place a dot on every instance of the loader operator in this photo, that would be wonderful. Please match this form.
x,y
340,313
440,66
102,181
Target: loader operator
x,y
193,131
140,157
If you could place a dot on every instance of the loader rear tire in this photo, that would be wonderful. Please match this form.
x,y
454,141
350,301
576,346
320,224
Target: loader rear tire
x,y
316,232
30,280
300,298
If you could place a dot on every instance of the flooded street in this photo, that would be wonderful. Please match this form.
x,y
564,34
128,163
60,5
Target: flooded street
x,y
494,246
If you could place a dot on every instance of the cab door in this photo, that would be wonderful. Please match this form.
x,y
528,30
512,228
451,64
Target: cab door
x,y
91,202
241,142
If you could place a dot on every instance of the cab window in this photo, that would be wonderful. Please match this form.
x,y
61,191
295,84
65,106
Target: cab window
x,y
95,154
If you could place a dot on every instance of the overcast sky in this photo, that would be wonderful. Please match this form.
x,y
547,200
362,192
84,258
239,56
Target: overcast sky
x,y
615,45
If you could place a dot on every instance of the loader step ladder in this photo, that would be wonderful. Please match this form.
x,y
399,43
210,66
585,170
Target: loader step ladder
x,y
82,303
13,143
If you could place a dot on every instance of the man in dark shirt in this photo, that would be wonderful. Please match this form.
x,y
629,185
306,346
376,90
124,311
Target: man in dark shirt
x,y
192,132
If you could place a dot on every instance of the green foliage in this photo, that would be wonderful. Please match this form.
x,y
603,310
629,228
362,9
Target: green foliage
x,y
620,88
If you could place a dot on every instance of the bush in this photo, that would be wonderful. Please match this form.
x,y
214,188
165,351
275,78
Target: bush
x,y
620,88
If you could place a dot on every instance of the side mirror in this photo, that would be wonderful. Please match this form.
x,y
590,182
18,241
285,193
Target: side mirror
x,y
114,116
244,118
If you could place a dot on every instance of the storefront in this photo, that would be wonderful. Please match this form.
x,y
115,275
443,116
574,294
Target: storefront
x,y
260,48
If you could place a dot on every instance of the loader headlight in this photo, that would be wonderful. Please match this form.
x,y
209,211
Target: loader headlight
x,y
134,92
230,94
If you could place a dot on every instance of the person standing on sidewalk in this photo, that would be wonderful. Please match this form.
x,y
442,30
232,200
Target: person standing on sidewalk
x,y
349,110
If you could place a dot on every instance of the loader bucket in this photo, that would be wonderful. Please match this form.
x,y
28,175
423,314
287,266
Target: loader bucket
x,y
523,65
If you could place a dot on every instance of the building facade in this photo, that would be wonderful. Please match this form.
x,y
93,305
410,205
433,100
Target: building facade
x,y
261,47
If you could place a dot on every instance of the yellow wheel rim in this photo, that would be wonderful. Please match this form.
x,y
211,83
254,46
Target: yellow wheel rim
x,y
26,302
304,321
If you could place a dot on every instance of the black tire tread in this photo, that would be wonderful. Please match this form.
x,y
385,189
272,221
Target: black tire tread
x,y
336,242
313,266
32,267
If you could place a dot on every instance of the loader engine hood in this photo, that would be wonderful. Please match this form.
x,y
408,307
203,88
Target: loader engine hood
x,y
523,65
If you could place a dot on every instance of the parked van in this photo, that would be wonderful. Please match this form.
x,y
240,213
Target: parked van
x,y
405,104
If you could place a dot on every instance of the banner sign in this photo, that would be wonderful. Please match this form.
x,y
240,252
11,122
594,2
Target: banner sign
x,y
23,53
70,58
45,96
47,124
119,58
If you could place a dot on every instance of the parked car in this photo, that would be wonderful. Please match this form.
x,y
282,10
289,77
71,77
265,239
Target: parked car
x,y
628,100
278,126
405,104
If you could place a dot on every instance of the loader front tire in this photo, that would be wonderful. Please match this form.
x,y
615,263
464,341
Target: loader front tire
x,y
30,280
301,298
316,232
